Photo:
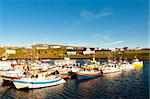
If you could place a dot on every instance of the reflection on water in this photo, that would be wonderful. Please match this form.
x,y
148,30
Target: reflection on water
x,y
113,75
129,84
34,93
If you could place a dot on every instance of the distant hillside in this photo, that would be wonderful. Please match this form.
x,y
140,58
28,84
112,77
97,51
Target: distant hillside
x,y
60,53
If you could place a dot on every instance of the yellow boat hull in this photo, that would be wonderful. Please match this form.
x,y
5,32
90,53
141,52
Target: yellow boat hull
x,y
137,64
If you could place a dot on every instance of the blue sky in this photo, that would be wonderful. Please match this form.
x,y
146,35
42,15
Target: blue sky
x,y
97,23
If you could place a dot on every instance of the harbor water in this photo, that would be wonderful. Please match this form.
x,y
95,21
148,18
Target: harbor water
x,y
126,84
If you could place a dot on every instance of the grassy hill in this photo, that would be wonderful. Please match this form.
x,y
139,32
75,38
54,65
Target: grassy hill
x,y
22,53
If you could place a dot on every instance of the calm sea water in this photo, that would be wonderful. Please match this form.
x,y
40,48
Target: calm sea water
x,y
129,84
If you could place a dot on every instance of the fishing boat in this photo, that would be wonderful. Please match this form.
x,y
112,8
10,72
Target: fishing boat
x,y
39,66
89,70
126,65
65,62
66,71
87,74
12,74
138,64
110,68
38,81
5,65
17,71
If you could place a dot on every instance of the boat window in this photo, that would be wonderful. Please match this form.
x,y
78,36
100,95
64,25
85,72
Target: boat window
x,y
36,76
32,76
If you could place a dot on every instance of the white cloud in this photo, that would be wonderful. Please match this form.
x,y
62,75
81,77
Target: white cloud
x,y
102,14
90,15
78,42
86,14
113,43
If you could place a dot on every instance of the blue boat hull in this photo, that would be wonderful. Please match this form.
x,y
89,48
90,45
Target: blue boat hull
x,y
82,76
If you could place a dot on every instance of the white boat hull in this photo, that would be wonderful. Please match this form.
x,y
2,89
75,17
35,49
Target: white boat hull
x,y
111,70
37,84
127,66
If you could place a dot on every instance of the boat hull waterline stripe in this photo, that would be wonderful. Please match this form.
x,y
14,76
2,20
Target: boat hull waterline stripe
x,y
45,82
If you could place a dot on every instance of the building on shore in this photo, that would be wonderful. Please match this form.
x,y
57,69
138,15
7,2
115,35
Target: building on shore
x,y
45,51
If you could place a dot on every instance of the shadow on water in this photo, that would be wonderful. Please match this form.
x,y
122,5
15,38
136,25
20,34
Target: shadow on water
x,y
127,84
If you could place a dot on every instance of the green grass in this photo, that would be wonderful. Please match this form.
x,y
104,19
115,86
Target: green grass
x,y
61,53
